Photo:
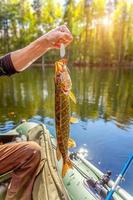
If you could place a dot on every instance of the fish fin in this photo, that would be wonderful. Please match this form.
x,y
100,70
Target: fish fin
x,y
71,143
73,120
66,166
58,153
72,97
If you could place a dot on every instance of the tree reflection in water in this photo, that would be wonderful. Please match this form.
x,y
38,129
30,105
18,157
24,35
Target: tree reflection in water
x,y
101,93
104,108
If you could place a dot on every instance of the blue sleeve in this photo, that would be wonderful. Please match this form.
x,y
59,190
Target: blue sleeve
x,y
6,66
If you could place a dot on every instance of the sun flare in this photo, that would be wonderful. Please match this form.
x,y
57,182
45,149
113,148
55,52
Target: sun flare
x,y
106,21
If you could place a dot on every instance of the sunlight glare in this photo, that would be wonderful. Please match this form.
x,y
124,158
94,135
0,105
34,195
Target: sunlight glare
x,y
106,21
83,152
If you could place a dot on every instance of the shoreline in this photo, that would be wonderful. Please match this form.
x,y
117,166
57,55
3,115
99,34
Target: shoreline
x,y
85,65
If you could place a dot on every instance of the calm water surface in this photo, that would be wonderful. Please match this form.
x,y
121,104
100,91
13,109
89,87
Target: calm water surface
x,y
104,108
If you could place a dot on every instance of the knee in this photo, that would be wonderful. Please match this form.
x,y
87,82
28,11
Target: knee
x,y
35,150
34,146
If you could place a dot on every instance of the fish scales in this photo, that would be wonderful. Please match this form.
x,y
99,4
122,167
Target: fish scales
x,y
62,112
62,121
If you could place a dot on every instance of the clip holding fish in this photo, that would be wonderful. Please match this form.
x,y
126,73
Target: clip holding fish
x,y
62,50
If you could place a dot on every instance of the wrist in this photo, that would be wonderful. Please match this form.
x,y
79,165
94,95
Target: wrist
x,y
44,42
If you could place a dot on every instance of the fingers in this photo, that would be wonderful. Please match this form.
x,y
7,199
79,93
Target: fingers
x,y
63,28
59,35
64,38
65,33
67,38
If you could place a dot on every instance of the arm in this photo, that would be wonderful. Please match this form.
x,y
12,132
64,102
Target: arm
x,y
23,58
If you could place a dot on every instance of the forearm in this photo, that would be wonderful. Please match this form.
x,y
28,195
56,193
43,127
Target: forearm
x,y
19,60
24,57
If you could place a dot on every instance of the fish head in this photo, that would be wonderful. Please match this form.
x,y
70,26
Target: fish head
x,y
63,72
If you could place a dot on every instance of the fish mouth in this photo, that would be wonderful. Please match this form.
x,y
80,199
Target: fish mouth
x,y
59,66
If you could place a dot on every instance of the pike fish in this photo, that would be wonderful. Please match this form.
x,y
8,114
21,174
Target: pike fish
x,y
63,95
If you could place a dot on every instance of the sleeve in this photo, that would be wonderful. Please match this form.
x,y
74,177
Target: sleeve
x,y
6,66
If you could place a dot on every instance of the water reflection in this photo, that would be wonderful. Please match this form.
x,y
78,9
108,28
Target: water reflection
x,y
105,93
101,93
104,107
83,152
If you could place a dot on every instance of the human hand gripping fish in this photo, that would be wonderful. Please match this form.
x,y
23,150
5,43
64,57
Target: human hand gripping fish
x,y
63,94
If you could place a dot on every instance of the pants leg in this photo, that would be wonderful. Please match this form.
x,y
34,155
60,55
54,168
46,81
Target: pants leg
x,y
23,158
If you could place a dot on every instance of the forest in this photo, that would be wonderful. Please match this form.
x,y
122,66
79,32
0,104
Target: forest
x,y
102,29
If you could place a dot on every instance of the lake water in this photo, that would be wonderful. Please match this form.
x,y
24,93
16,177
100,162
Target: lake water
x,y
104,133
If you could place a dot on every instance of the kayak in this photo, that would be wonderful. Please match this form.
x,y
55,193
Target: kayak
x,y
83,182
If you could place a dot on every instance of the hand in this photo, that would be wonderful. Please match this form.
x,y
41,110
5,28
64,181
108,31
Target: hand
x,y
59,35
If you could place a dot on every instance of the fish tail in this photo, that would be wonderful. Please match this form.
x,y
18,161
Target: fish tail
x,y
58,153
66,166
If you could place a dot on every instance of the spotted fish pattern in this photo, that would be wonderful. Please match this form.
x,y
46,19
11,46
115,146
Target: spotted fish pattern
x,y
63,87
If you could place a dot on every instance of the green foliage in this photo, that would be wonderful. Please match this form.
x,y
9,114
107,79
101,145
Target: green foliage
x,y
102,29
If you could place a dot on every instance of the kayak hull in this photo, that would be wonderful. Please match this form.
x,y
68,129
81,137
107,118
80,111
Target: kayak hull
x,y
75,180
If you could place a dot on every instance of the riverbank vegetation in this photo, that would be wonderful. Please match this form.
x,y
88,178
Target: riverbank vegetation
x,y
102,29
